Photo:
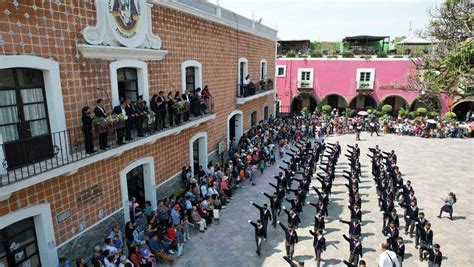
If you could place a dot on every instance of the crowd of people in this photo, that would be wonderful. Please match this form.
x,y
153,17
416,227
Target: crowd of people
x,y
159,235
139,118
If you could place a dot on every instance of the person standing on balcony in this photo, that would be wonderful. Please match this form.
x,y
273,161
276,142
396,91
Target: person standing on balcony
x,y
177,98
206,95
100,112
246,86
120,109
87,117
170,103
154,108
188,102
131,115
142,115
161,110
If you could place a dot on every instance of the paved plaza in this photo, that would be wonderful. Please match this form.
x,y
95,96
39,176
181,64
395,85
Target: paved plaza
x,y
435,167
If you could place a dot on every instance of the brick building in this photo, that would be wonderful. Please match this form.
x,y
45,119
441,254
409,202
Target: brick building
x,y
56,58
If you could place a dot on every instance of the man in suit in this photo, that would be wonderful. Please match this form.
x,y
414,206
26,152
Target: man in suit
x,y
435,257
142,115
161,109
355,249
275,204
188,99
391,233
120,109
291,238
259,234
319,244
426,240
355,228
131,115
99,112
265,216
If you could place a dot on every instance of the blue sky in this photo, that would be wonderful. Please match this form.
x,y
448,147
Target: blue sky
x,y
332,20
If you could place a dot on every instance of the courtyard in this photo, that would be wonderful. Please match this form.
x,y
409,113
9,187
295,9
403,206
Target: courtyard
x,y
435,167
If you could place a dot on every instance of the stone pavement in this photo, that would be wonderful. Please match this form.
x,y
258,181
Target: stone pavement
x,y
435,167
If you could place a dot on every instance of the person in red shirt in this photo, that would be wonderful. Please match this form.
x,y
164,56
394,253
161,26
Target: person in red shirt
x,y
171,233
135,257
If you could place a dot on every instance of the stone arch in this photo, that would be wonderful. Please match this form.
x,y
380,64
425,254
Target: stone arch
x,y
335,101
397,102
303,100
430,103
362,102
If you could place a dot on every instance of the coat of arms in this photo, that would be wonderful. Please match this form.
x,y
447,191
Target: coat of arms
x,y
126,14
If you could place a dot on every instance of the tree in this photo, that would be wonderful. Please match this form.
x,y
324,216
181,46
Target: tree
x,y
448,69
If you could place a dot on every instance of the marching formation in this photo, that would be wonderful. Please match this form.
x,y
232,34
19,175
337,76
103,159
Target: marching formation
x,y
390,187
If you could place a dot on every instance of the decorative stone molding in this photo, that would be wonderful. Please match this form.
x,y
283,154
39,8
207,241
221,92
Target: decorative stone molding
x,y
124,30
120,53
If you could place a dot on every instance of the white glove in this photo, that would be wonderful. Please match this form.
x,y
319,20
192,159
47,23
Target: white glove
x,y
251,202
249,221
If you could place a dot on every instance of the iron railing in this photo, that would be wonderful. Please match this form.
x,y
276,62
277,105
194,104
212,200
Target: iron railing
x,y
246,90
29,157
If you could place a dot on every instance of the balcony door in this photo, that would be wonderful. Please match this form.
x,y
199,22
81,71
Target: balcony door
x,y
127,83
136,187
24,121
18,245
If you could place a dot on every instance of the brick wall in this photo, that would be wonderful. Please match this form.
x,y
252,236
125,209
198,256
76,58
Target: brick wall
x,y
50,30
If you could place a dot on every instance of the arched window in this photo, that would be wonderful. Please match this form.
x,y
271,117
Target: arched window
x,y
191,76
253,119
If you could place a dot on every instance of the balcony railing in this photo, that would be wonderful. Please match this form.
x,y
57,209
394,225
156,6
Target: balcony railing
x,y
26,158
247,90
365,85
304,84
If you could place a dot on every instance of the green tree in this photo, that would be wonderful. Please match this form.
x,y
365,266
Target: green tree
x,y
448,69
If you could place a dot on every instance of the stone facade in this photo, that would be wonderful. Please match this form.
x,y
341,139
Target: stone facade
x,y
52,30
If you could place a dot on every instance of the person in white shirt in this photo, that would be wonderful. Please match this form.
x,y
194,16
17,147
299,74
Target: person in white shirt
x,y
387,258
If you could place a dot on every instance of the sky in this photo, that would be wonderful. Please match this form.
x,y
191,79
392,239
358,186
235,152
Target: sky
x,y
332,20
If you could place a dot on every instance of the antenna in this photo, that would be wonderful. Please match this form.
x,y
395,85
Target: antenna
x,y
409,29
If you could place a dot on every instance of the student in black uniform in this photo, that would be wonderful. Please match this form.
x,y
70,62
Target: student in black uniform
x,y
400,250
391,233
259,234
355,248
355,228
275,204
265,216
291,238
319,244
436,257
426,240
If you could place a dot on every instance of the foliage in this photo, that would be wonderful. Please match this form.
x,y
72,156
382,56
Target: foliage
x,y
350,112
421,111
433,114
449,116
366,57
347,54
382,54
305,111
449,69
316,54
290,54
326,109
387,109
378,113
385,117
402,112
370,111
411,115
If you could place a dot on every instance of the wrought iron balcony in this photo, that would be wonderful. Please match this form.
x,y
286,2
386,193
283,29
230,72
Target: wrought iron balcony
x,y
22,160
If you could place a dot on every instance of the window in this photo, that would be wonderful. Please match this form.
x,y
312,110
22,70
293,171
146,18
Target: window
x,y
191,79
265,113
127,83
253,118
365,75
263,69
305,74
191,76
281,71
18,244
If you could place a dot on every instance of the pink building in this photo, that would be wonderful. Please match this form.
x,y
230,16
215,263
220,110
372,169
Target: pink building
x,y
357,83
